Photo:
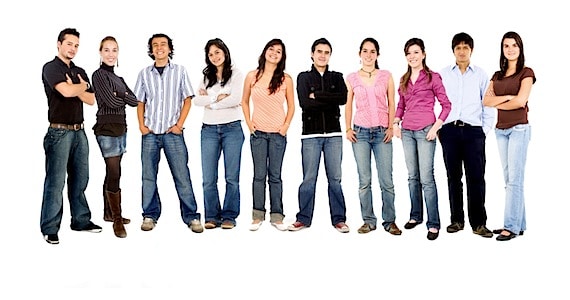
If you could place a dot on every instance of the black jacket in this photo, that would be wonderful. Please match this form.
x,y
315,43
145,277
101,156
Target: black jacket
x,y
321,114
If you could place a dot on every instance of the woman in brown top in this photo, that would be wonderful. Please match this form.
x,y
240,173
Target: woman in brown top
x,y
509,91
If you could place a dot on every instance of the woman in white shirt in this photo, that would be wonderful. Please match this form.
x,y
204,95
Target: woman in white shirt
x,y
220,94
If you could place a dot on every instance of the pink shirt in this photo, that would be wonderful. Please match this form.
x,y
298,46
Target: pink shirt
x,y
416,106
370,100
268,110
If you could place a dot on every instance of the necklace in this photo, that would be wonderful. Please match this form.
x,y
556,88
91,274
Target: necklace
x,y
369,73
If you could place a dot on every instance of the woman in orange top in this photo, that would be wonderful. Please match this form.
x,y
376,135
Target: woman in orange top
x,y
268,87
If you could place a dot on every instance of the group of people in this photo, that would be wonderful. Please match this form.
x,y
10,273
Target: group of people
x,y
264,99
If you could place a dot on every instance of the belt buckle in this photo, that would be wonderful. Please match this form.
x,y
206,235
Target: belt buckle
x,y
459,123
76,127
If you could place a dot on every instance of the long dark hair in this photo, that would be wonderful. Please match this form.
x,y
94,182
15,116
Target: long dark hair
x,y
406,77
279,73
503,61
376,46
210,70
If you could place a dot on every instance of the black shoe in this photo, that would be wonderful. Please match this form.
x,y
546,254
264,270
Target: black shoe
x,y
51,239
432,235
498,231
89,228
410,225
455,227
509,237
483,231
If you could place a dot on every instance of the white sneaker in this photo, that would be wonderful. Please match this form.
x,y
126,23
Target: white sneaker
x,y
148,224
255,226
280,226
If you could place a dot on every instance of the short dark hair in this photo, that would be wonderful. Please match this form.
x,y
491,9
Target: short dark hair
x,y
461,37
160,35
66,31
320,41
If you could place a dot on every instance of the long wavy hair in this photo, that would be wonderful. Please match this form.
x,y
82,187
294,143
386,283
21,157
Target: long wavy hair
x,y
279,73
210,70
406,77
503,61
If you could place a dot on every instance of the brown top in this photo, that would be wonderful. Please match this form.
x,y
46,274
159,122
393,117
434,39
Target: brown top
x,y
510,85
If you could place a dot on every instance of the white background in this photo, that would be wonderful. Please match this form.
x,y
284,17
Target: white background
x,y
318,263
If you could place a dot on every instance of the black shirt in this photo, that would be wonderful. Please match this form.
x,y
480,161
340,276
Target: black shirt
x,y
62,109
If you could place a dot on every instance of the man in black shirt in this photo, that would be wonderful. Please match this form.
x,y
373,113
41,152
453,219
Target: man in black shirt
x,y
321,92
65,143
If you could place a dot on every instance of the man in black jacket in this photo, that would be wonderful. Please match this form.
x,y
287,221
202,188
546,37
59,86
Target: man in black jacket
x,y
321,92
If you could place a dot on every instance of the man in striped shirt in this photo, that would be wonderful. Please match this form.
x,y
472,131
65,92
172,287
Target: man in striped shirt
x,y
164,93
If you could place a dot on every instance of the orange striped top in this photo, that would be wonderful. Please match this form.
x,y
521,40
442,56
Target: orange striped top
x,y
268,110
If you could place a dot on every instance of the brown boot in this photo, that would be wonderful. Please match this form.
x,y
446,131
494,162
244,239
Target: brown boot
x,y
106,210
115,207
107,216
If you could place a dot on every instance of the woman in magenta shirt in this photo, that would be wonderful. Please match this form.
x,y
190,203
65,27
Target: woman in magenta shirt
x,y
418,91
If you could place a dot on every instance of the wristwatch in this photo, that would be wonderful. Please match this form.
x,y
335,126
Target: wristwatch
x,y
88,85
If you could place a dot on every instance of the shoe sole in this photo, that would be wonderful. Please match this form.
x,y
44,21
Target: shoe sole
x,y
296,228
51,242
485,235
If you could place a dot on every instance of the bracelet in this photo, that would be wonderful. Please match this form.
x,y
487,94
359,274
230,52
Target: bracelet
x,y
348,129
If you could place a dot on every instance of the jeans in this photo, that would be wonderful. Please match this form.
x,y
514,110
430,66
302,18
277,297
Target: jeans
x,y
215,139
177,156
419,155
267,151
67,155
311,150
464,147
368,141
513,145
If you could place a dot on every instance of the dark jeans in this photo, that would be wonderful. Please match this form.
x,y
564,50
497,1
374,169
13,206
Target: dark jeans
x,y
67,155
464,147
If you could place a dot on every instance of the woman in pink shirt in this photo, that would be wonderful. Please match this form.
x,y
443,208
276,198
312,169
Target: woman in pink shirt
x,y
418,91
269,88
370,131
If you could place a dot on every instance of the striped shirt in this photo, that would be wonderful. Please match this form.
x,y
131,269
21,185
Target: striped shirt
x,y
112,94
163,95
269,111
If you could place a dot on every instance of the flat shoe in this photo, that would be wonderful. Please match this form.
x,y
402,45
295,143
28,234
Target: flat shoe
x,y
498,231
432,235
410,225
255,226
509,237
280,226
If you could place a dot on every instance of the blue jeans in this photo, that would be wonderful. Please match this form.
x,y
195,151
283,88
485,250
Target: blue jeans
x,y
267,151
67,155
177,156
419,155
371,140
513,145
311,150
215,139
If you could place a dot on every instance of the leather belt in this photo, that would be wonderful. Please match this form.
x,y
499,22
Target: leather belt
x,y
460,123
74,127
